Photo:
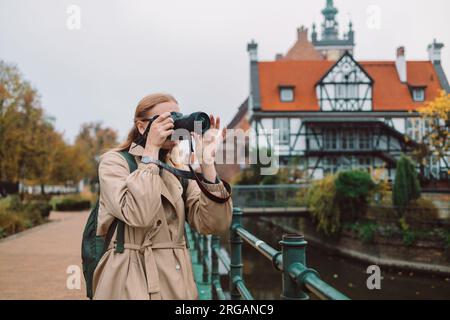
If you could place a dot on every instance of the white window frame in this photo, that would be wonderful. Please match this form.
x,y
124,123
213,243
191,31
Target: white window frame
x,y
282,124
287,90
418,94
414,128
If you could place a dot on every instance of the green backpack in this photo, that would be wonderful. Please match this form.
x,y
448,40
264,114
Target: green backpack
x,y
93,247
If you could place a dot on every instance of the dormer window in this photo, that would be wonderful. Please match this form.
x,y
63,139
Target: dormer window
x,y
418,94
286,93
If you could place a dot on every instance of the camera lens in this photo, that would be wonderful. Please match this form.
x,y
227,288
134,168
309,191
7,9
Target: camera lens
x,y
204,118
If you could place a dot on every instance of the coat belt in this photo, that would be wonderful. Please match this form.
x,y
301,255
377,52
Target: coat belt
x,y
151,269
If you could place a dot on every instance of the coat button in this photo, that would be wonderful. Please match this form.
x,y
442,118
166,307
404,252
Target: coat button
x,y
178,267
158,223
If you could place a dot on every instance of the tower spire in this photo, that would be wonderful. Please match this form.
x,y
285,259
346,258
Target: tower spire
x,y
330,44
330,25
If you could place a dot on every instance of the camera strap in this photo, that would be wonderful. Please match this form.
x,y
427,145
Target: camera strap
x,y
198,177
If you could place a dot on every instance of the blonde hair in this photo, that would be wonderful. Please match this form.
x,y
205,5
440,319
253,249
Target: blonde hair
x,y
142,113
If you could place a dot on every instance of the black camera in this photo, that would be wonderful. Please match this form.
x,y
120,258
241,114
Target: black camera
x,y
181,121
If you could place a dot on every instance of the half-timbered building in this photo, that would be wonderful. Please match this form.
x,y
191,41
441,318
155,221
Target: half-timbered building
x,y
333,112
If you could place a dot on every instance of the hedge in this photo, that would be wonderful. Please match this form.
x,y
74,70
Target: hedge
x,y
72,204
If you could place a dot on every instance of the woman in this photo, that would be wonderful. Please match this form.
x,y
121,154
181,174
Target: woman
x,y
156,263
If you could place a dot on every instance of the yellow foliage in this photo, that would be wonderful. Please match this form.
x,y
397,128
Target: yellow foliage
x,y
439,108
436,113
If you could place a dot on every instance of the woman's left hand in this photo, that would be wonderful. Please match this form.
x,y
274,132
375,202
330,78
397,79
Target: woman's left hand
x,y
206,147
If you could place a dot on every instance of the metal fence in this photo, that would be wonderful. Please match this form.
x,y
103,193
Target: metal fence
x,y
298,281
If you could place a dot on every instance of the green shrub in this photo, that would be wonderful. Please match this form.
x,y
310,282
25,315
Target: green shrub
x,y
43,207
365,231
335,199
323,208
409,237
71,203
12,222
16,216
406,185
352,191
13,203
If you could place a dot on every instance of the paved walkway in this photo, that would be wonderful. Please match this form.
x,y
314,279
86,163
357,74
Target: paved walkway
x,y
33,264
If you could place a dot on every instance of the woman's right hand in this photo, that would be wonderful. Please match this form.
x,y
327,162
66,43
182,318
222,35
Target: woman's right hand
x,y
160,129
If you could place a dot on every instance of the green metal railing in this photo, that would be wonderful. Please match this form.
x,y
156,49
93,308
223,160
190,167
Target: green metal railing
x,y
298,281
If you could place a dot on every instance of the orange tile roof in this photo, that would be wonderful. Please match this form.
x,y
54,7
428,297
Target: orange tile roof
x,y
301,74
389,94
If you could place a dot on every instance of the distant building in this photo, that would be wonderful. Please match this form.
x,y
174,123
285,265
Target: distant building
x,y
330,45
334,112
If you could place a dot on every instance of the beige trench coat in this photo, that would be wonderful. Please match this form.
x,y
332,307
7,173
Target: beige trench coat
x,y
156,263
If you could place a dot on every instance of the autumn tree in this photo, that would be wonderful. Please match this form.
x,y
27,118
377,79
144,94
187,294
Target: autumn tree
x,y
71,165
92,140
20,113
31,150
436,143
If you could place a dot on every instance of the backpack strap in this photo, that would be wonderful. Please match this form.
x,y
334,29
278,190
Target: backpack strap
x,y
132,165
110,233
184,184
117,223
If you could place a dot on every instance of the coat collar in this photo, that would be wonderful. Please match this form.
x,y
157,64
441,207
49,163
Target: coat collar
x,y
136,150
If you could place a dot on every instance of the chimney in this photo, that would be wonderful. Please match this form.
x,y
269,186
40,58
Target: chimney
x,y
302,34
400,63
252,49
278,57
254,95
434,52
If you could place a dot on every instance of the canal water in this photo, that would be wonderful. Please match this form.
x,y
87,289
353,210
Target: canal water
x,y
346,275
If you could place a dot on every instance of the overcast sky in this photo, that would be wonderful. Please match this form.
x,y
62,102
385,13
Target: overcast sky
x,y
194,49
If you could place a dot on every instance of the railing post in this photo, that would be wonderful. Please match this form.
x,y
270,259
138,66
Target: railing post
x,y
236,253
205,260
215,276
293,249
194,240
198,247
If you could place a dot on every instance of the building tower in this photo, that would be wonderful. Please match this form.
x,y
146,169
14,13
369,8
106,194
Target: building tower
x,y
330,45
